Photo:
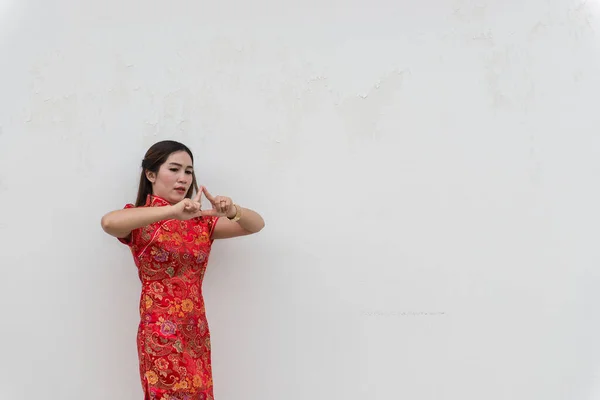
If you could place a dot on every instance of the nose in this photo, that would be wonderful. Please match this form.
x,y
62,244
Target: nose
x,y
182,179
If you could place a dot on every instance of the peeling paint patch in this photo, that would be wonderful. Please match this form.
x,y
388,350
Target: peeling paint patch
x,y
486,38
538,29
466,11
361,114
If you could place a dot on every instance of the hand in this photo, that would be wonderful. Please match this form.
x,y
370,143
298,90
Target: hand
x,y
188,208
221,206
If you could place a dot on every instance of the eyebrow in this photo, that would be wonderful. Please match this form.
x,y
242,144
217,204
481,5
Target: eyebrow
x,y
179,165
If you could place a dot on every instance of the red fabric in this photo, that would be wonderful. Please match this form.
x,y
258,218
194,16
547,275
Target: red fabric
x,y
173,336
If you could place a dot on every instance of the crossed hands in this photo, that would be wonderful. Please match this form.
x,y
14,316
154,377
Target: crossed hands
x,y
191,208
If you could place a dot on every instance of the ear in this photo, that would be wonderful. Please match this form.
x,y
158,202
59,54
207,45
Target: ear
x,y
151,176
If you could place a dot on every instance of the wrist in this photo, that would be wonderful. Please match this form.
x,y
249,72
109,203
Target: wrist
x,y
170,212
232,211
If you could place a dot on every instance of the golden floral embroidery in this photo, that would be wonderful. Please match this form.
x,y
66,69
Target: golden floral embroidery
x,y
161,363
197,381
181,385
152,377
187,305
148,301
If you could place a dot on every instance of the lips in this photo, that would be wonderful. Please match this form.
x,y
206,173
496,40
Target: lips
x,y
180,190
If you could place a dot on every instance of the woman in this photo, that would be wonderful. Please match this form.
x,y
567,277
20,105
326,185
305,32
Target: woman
x,y
170,237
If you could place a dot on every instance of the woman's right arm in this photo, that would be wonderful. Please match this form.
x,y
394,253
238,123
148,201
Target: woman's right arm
x,y
120,223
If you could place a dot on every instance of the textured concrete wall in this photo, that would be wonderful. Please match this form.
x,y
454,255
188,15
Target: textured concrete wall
x,y
428,172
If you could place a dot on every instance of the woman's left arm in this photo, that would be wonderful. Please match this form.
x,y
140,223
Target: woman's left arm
x,y
239,221
250,222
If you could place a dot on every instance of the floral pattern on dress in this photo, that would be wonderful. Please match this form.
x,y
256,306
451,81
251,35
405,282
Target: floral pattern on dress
x,y
173,337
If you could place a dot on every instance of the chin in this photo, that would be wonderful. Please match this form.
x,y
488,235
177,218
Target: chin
x,y
178,197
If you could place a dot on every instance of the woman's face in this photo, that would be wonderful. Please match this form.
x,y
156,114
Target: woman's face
x,y
174,177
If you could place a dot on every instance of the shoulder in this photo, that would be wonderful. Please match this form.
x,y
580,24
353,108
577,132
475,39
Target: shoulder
x,y
204,226
203,222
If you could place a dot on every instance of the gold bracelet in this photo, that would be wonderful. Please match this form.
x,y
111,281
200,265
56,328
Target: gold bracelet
x,y
238,213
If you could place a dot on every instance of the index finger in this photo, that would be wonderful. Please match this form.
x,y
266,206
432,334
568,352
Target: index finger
x,y
197,196
208,195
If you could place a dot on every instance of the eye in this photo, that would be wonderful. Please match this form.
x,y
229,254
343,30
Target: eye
x,y
173,169
188,172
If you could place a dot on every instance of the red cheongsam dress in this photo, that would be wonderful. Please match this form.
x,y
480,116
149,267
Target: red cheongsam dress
x,y
173,337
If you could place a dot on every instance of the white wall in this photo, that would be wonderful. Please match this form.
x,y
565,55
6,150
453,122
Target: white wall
x,y
428,172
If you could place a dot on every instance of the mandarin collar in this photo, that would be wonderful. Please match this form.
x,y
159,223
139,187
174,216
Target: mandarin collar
x,y
156,201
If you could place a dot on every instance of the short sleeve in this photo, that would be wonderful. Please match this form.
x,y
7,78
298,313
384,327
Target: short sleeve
x,y
129,240
212,223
